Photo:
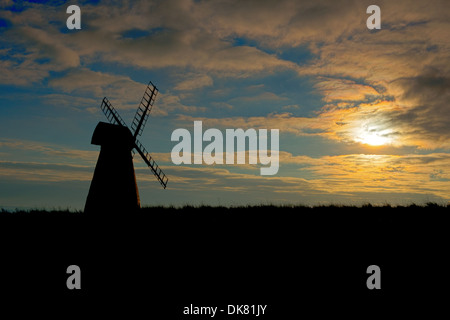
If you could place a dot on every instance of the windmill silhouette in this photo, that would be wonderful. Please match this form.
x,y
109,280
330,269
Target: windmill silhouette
x,y
113,188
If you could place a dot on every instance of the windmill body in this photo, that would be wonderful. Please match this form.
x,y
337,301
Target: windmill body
x,y
113,188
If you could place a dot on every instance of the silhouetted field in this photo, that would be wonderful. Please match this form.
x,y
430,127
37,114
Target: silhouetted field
x,y
259,209
294,258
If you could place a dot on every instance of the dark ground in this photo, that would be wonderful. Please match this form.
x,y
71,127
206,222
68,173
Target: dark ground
x,y
299,261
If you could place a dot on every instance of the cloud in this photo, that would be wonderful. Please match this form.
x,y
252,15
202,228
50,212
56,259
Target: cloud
x,y
285,122
425,122
182,39
15,150
399,65
342,89
6,3
332,122
71,101
169,103
122,92
99,84
398,179
265,96
419,174
20,69
401,179
194,82
35,47
47,45
394,63
44,172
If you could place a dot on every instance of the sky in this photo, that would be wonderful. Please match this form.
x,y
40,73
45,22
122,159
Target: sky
x,y
363,115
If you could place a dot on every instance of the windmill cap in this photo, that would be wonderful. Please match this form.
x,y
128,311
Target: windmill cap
x,y
112,134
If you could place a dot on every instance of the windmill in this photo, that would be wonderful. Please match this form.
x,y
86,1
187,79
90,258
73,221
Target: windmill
x,y
113,187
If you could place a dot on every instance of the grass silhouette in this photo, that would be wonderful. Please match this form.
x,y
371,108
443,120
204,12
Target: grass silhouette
x,y
263,209
173,256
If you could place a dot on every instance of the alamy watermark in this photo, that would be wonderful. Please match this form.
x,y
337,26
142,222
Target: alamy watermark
x,y
374,21
235,147
74,20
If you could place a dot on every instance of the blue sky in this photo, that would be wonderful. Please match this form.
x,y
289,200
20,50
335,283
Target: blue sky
x,y
363,116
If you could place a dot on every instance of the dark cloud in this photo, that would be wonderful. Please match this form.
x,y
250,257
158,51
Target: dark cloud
x,y
428,118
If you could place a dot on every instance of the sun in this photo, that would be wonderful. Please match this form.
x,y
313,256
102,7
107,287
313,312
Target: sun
x,y
374,139
373,136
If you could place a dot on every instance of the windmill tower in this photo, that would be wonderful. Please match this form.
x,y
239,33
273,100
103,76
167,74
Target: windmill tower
x,y
113,187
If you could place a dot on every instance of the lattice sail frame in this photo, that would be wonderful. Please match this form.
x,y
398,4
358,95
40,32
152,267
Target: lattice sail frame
x,y
139,121
144,109
159,174
111,113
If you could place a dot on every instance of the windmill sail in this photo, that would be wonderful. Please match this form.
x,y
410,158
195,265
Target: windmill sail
x,y
159,174
111,113
140,119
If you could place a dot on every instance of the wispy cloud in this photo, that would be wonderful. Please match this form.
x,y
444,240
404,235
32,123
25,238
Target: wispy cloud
x,y
44,172
16,149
